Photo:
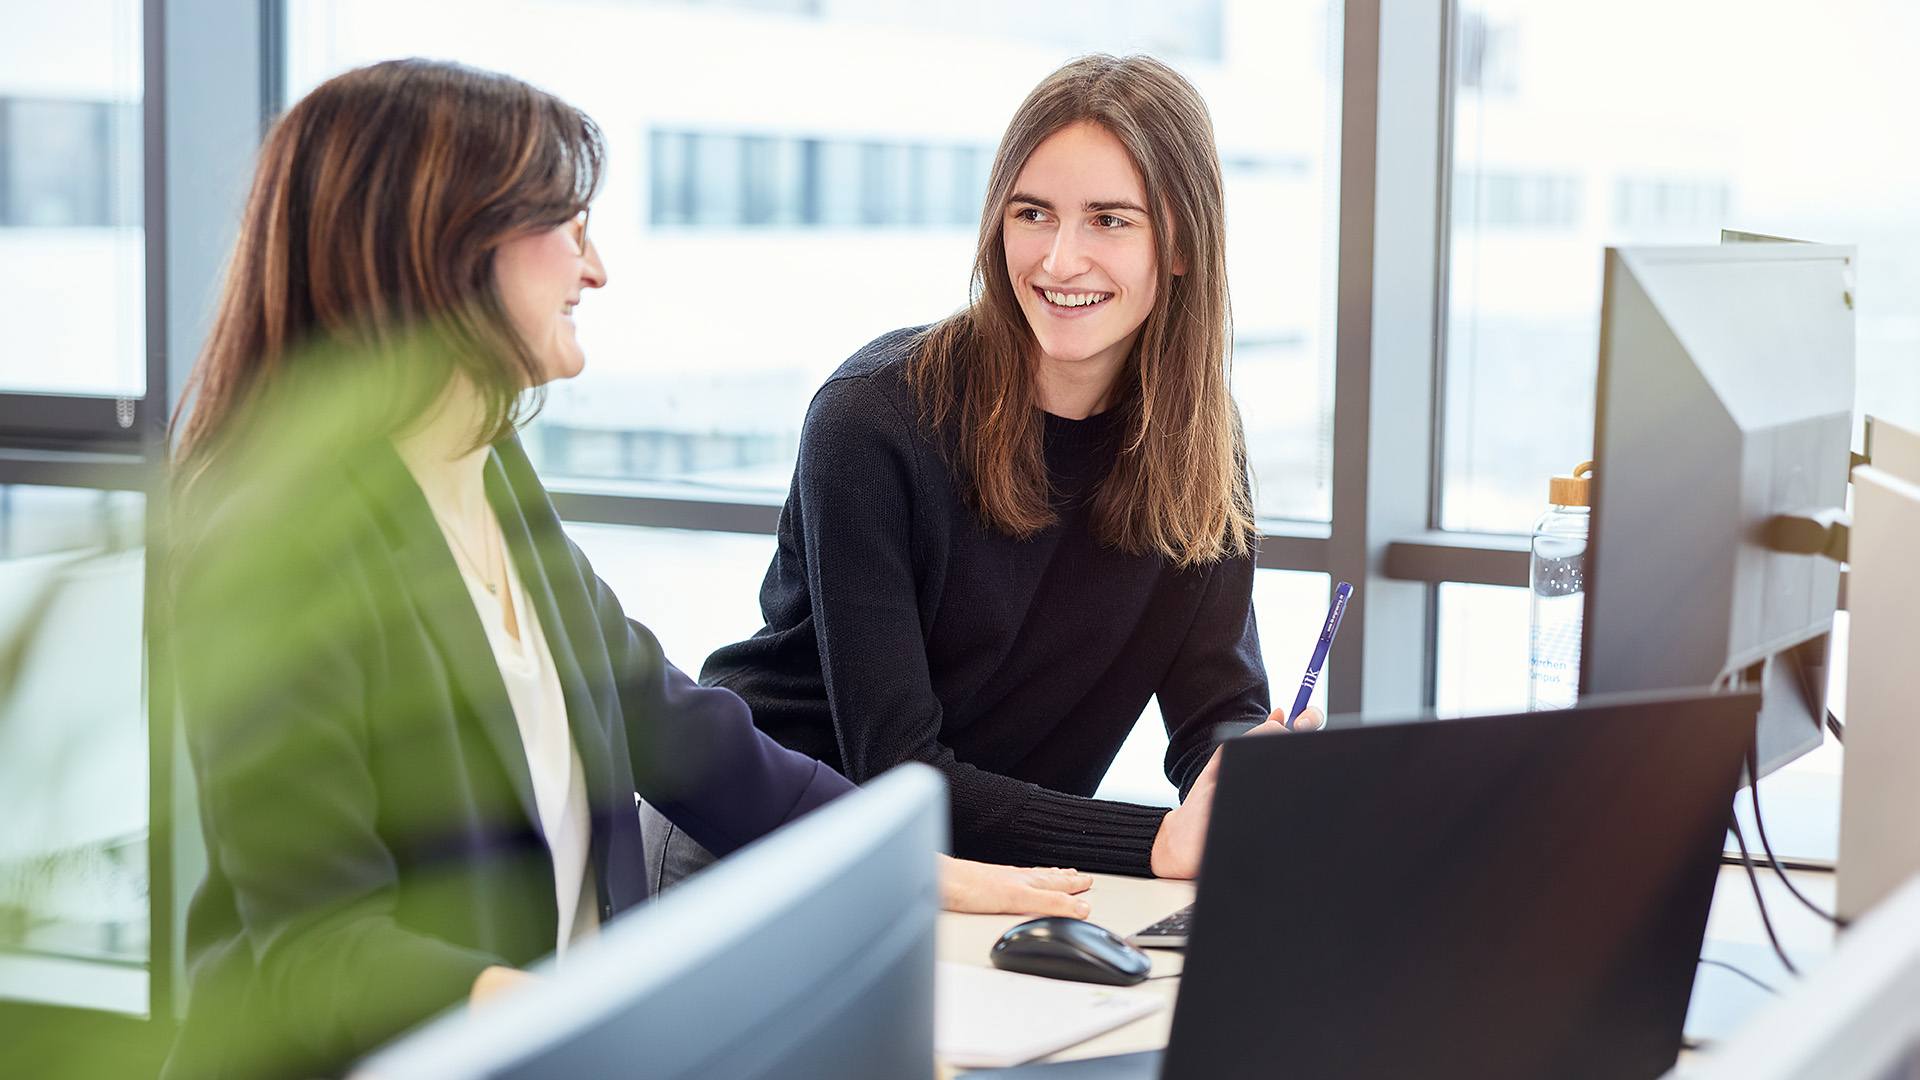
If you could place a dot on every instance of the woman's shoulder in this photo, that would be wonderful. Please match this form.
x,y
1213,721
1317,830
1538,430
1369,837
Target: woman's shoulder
x,y
870,386
305,529
883,360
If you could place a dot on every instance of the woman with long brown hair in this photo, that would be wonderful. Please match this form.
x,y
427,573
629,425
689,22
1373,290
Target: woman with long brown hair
x,y
1009,531
417,720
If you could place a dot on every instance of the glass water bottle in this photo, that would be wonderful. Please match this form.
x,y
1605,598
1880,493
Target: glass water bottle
x,y
1557,576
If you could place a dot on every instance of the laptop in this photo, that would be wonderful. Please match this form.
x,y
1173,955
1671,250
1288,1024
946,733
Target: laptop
x,y
1499,896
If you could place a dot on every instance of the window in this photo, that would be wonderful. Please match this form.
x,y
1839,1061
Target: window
x,y
1641,203
1515,200
712,599
1480,659
72,272
1289,604
1723,115
777,178
1485,54
73,749
58,162
782,190
75,926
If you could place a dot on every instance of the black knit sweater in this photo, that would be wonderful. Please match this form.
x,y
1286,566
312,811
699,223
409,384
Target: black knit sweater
x,y
901,628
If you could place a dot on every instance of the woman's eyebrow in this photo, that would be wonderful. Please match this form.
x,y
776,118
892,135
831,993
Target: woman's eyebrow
x,y
1096,206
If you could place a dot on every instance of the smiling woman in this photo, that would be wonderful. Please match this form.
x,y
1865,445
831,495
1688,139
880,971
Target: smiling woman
x,y
1081,256
1010,531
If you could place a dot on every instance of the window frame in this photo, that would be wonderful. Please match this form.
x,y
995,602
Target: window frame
x,y
210,84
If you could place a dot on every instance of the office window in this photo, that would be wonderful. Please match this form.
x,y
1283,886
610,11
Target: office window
x,y
781,191
670,157
883,184
1289,605
1510,200
1189,29
58,161
964,184
72,271
1684,119
73,750
1485,53
838,181
695,590
1647,203
775,172
780,178
1480,650
791,7
698,591
718,184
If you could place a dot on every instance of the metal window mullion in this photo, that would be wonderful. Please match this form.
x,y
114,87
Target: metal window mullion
x,y
1385,369
210,67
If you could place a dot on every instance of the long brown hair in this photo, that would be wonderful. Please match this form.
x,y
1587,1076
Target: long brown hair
x,y
1177,487
376,209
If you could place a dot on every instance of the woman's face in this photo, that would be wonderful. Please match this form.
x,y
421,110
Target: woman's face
x,y
1080,247
541,276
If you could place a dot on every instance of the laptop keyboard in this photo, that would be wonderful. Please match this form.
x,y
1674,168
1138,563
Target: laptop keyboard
x,y
1171,930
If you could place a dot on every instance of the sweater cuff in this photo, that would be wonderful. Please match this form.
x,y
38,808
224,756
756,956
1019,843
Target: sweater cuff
x,y
1197,763
1095,835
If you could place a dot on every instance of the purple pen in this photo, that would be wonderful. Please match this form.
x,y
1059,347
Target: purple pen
x,y
1332,627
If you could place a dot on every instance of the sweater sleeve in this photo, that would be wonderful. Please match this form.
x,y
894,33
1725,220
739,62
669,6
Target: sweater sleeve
x,y
696,754
1216,687
855,487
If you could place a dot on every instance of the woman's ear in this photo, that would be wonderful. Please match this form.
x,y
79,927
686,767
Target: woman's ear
x,y
1179,265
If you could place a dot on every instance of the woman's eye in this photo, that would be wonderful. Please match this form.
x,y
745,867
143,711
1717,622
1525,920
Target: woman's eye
x,y
1108,221
1027,213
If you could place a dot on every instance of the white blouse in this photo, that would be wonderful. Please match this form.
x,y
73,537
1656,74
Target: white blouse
x,y
559,787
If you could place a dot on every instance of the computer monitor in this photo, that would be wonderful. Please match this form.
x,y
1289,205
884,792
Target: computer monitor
x,y
1725,399
1850,1019
1893,449
809,953
1879,796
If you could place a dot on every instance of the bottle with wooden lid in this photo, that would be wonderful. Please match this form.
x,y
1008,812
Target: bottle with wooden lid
x,y
1557,575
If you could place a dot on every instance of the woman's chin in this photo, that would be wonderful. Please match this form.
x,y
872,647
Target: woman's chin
x,y
564,367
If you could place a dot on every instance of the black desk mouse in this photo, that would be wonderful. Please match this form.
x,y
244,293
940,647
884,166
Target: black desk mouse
x,y
1061,948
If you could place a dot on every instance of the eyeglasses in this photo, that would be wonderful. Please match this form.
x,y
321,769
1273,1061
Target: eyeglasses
x,y
579,224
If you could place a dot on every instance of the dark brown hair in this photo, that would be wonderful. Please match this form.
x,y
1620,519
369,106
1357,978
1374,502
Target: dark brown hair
x,y
1178,487
376,209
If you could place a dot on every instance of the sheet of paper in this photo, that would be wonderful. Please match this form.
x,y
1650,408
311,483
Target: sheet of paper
x,y
988,1018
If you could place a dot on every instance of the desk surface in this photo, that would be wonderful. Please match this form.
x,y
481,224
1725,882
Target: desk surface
x,y
1124,905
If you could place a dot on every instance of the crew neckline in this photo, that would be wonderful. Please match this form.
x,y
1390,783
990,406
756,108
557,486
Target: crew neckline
x,y
1060,429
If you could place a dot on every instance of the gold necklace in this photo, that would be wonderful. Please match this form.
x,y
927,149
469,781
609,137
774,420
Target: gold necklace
x,y
493,589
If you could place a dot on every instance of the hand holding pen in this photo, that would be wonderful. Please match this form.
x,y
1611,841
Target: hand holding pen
x,y
1327,630
1300,717
1177,846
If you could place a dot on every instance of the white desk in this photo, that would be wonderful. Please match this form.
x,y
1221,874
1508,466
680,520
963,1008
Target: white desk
x,y
1124,904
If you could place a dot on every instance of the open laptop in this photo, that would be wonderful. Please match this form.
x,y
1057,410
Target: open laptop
x,y
1501,896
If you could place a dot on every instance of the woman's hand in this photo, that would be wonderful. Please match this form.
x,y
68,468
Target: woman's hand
x,y
986,889
1183,832
496,981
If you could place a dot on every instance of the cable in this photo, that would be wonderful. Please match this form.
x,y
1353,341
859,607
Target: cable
x,y
1759,901
1760,826
1768,987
